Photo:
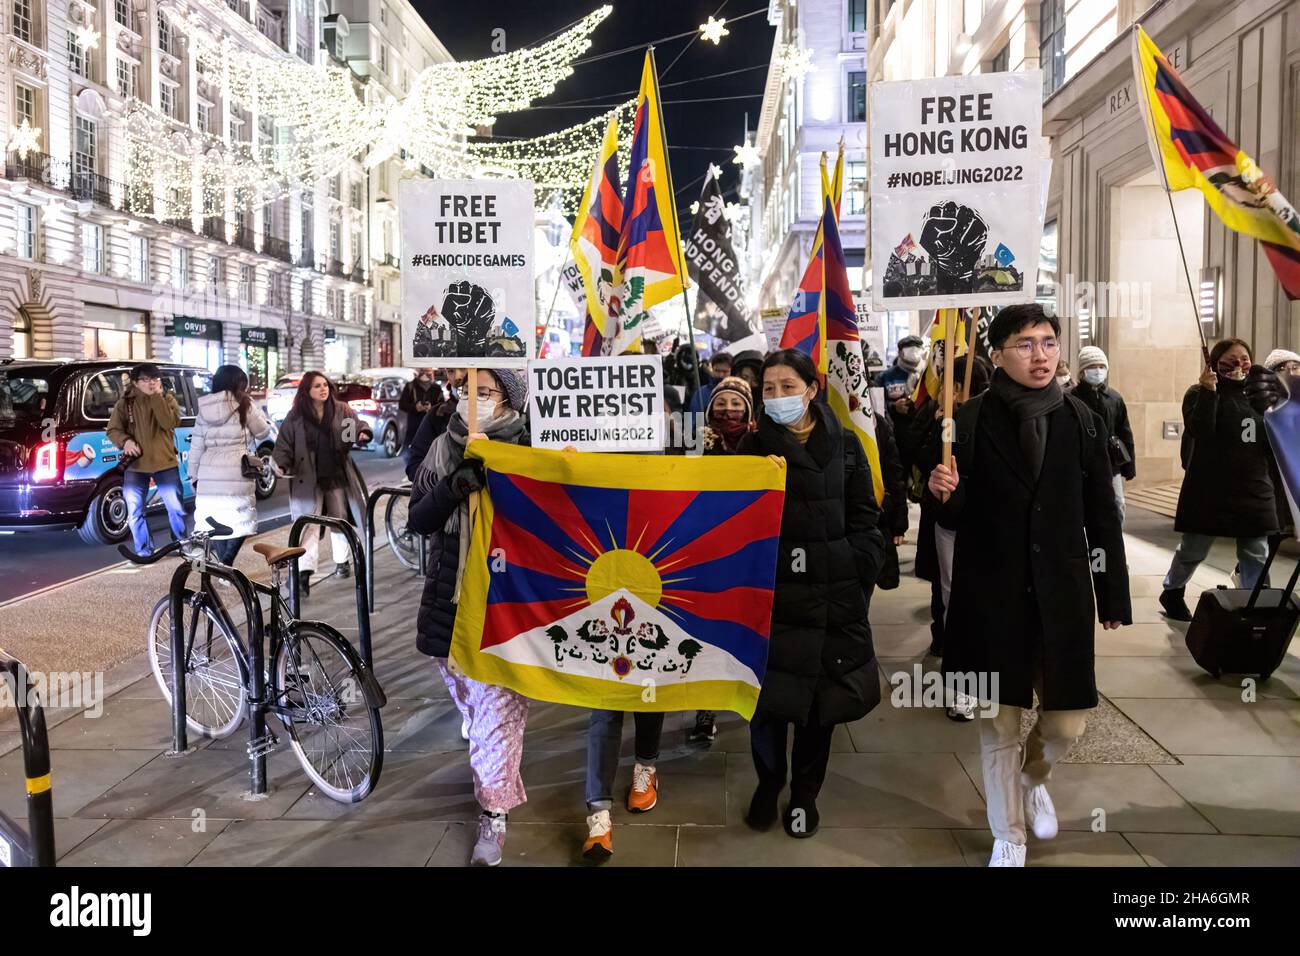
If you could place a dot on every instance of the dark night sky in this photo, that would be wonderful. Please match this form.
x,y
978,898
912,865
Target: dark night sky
x,y
465,28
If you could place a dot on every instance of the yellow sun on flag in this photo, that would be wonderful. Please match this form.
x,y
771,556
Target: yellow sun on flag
x,y
623,569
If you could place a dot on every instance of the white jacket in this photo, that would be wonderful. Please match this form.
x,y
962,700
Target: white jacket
x,y
218,445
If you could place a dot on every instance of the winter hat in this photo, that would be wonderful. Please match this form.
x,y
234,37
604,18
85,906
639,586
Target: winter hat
x,y
739,386
514,385
1277,357
911,341
1091,355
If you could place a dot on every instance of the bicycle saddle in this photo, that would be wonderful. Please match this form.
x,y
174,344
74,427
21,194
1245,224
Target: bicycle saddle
x,y
276,555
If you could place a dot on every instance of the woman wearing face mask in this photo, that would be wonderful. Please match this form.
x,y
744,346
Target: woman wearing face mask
x,y
1094,391
495,716
1227,490
821,666
730,416
315,447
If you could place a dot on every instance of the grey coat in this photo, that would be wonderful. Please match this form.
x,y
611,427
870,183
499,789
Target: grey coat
x,y
293,456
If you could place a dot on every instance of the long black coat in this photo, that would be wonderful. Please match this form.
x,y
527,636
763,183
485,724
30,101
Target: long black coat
x,y
1109,406
1021,582
1228,490
821,665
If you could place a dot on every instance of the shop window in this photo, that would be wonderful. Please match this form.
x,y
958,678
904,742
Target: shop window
x,y
857,87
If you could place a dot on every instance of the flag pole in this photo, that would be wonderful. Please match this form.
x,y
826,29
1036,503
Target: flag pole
x,y
970,354
1158,160
672,206
551,311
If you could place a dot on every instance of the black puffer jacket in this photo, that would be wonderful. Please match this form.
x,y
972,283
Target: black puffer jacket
x,y
821,665
1109,406
1228,490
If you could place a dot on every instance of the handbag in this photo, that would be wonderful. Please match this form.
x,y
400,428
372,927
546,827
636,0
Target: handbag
x,y
1119,456
250,466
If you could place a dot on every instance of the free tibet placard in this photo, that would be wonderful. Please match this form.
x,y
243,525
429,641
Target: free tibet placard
x,y
467,272
955,191
614,403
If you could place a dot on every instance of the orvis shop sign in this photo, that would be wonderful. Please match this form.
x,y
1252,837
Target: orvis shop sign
x,y
268,338
184,328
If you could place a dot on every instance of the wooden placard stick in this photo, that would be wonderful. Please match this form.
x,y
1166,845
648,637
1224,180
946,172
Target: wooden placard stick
x,y
949,347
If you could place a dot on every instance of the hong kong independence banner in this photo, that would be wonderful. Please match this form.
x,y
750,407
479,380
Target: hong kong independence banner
x,y
621,582
956,201
467,272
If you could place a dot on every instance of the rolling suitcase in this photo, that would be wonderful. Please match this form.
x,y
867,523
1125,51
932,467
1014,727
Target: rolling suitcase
x,y
1235,631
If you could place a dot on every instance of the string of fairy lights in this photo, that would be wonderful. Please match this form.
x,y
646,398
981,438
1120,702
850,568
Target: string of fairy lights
x,y
313,120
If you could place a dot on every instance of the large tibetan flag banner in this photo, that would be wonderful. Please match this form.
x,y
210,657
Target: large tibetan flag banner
x,y
1192,152
594,242
621,582
650,246
805,328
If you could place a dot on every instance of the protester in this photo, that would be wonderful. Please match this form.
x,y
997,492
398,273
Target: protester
x,y
417,399
226,425
314,448
1280,362
143,425
435,421
821,666
439,507
748,365
1108,405
934,544
1064,378
1034,513
604,746
729,417
899,382
893,509
1227,489
719,368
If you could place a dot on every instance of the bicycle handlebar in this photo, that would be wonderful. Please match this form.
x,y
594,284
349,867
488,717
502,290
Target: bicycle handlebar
x,y
171,548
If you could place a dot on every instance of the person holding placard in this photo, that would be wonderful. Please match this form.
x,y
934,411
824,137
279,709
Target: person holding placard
x,y
495,716
1029,497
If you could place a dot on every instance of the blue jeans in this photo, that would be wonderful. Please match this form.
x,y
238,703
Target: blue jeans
x,y
135,489
1252,553
605,740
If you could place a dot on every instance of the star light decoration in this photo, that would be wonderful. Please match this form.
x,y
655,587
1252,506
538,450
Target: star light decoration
x,y
695,208
24,139
747,155
714,30
794,61
87,37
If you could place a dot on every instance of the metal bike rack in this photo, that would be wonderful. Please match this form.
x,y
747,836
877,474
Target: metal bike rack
x,y
372,503
36,846
361,576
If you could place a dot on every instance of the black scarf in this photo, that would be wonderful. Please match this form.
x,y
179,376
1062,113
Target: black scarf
x,y
328,447
1031,406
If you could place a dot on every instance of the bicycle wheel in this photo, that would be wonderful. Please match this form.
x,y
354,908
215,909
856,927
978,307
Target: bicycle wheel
x,y
332,716
404,542
216,695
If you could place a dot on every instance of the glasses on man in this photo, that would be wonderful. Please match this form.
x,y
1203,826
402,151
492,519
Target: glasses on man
x,y
1025,347
487,394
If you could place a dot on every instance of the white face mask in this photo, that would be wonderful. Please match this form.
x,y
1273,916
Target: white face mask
x,y
1063,381
485,412
1094,376
910,356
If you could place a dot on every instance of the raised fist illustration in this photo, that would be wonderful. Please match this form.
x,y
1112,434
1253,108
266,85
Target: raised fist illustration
x,y
954,236
470,311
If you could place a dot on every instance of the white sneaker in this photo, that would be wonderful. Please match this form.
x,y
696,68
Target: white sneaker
x,y
599,845
491,840
464,729
963,707
1040,813
1006,853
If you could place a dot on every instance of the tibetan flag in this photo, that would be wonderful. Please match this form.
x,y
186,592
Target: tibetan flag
x,y
804,326
848,387
621,582
650,246
594,242
1192,152
930,384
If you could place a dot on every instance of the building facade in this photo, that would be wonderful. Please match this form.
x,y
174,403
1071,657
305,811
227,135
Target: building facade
x,y
1110,264
96,260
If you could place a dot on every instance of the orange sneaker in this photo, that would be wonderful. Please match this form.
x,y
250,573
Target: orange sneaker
x,y
645,789
599,845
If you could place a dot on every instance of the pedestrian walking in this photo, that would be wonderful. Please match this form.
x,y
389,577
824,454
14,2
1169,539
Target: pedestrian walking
x,y
1108,405
1037,534
493,716
418,398
1227,487
226,426
821,666
143,425
314,448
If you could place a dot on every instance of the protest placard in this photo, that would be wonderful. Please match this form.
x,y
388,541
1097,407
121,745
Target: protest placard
x,y
467,272
871,329
955,190
611,403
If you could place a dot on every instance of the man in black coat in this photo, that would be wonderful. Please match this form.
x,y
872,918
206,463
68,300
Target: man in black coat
x,y
417,399
1108,405
1037,533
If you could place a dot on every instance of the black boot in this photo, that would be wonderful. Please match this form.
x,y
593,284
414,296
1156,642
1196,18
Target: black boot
x,y
304,583
1171,599
801,817
345,570
762,808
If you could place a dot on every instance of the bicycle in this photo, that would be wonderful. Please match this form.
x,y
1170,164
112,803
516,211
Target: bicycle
x,y
317,685
405,543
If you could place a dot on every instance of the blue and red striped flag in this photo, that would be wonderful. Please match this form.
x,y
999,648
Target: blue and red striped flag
x,y
621,582
594,242
1192,152
805,329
